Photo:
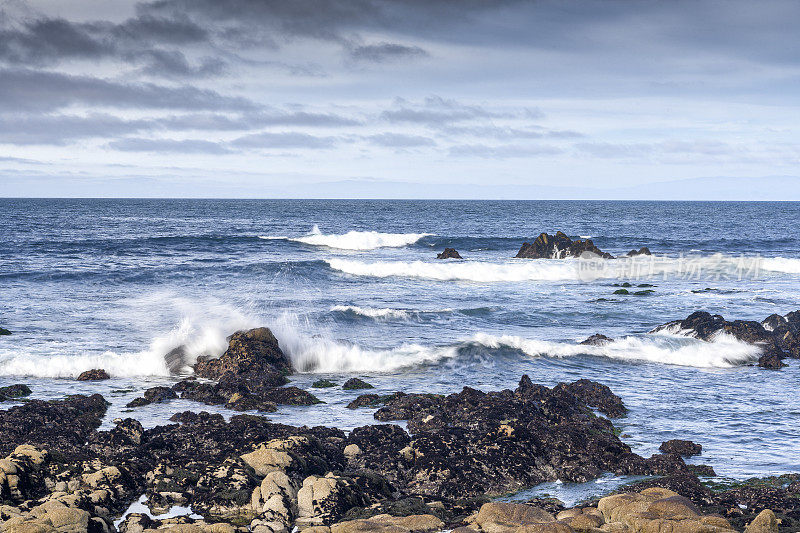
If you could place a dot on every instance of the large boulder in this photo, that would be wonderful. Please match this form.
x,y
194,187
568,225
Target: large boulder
x,y
251,352
325,500
685,448
95,374
558,246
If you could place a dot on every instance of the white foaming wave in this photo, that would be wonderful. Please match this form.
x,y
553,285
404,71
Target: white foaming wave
x,y
723,352
372,312
202,329
385,312
584,269
786,265
354,240
523,270
319,354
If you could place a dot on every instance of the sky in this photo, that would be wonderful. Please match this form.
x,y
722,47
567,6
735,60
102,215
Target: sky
x,y
406,98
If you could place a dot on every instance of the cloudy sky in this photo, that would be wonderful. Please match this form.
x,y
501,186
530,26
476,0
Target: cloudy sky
x,y
404,98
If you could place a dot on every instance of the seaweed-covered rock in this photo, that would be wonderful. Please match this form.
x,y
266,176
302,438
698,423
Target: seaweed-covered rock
x,y
558,246
154,395
95,374
449,253
323,384
356,384
18,390
61,425
325,500
4,331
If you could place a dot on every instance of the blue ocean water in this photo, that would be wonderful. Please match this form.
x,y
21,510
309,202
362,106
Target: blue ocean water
x,y
353,288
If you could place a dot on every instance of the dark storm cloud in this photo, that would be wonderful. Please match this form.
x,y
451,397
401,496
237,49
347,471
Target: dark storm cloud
x,y
399,140
190,146
383,52
284,140
31,90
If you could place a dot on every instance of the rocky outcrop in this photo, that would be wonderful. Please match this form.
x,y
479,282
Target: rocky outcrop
x,y
449,253
558,246
597,339
596,395
475,443
685,448
4,331
249,353
96,374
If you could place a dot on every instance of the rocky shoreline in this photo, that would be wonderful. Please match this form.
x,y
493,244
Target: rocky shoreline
x,y
442,471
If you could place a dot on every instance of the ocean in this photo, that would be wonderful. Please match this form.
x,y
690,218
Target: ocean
x,y
353,288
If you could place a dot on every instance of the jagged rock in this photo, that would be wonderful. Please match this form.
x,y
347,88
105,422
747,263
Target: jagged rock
x,y
323,384
684,448
224,491
290,396
558,246
597,395
251,353
4,331
449,253
597,339
95,374
325,500
777,336
644,250
356,384
367,400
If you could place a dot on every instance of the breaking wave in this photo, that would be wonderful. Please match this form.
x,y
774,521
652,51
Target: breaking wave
x,y
583,269
724,352
355,240
386,313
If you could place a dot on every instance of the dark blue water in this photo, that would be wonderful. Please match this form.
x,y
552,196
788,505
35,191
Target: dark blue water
x,y
118,283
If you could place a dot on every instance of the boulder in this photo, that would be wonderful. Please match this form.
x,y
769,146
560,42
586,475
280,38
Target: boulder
x,y
251,352
765,522
356,384
95,374
558,246
771,361
18,390
501,517
684,448
4,331
644,250
323,384
449,253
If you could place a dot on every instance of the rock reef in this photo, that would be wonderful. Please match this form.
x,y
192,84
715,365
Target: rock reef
x,y
558,246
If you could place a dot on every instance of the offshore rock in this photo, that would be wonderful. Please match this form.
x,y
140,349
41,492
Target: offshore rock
x,y
449,253
644,250
558,246
597,339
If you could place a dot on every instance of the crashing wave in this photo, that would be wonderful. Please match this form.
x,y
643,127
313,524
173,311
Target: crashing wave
x,y
354,240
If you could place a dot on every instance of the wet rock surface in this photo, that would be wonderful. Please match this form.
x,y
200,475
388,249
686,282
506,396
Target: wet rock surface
x,y
558,246
356,384
251,353
644,250
95,374
60,473
597,339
